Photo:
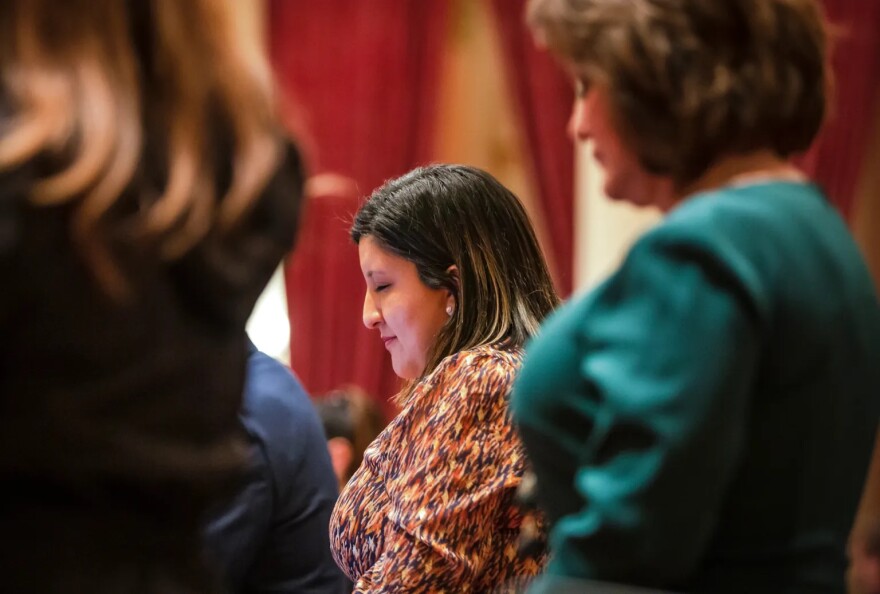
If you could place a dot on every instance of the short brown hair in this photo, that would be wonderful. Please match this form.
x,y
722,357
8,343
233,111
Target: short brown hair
x,y
693,80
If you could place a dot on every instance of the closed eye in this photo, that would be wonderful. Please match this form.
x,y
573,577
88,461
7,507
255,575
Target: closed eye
x,y
380,288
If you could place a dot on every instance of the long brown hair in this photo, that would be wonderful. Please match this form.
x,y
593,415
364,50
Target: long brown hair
x,y
81,78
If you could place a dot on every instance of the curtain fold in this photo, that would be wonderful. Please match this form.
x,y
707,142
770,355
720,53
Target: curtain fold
x,y
363,76
543,99
837,156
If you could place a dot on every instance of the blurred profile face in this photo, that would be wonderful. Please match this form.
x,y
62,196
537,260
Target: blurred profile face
x,y
341,454
625,178
407,313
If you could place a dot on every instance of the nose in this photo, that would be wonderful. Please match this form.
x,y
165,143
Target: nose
x,y
578,128
371,314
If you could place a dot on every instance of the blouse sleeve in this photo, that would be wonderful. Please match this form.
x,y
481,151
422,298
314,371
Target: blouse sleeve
x,y
444,519
632,405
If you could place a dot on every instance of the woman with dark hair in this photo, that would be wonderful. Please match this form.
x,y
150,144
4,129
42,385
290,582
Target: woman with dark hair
x,y
456,283
703,419
146,196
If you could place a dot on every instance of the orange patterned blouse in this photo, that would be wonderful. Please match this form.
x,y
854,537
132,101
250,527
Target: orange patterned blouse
x,y
431,508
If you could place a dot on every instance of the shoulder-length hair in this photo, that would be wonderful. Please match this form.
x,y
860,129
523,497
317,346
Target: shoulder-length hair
x,y
82,79
446,216
691,81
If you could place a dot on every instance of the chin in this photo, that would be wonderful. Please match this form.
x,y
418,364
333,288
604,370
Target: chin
x,y
403,372
638,199
625,198
615,191
641,190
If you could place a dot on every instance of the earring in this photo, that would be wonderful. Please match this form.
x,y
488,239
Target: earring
x,y
449,310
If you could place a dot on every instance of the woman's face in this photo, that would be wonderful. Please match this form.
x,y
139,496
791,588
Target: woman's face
x,y
407,313
625,178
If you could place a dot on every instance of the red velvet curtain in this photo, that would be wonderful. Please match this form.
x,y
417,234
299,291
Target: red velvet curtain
x,y
836,158
364,76
543,97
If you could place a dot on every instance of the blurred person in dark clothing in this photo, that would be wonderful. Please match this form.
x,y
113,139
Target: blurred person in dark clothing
x,y
146,196
274,536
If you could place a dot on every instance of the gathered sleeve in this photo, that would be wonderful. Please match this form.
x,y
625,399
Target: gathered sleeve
x,y
632,404
451,515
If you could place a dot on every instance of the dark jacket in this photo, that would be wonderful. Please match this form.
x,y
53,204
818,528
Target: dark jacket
x,y
119,419
274,536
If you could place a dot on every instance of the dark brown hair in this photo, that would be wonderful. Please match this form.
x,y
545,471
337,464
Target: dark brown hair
x,y
691,81
454,215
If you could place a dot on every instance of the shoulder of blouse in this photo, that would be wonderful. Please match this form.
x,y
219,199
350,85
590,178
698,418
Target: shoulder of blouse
x,y
484,356
486,368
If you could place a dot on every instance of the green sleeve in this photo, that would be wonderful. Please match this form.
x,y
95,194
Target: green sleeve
x,y
632,404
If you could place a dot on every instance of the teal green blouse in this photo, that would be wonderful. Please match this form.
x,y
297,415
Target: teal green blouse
x,y
704,419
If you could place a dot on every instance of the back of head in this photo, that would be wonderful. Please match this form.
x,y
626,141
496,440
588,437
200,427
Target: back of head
x,y
692,81
467,233
350,414
89,86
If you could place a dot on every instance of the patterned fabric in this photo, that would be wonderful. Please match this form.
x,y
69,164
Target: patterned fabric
x,y
431,509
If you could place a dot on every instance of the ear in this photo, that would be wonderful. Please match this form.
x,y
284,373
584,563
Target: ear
x,y
452,271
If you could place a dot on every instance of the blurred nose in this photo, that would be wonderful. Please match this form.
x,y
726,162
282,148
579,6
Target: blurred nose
x,y
371,313
578,124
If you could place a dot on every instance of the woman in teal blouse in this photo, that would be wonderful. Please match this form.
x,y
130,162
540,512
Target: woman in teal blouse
x,y
703,420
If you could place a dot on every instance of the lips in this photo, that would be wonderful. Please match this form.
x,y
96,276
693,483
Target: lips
x,y
388,339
